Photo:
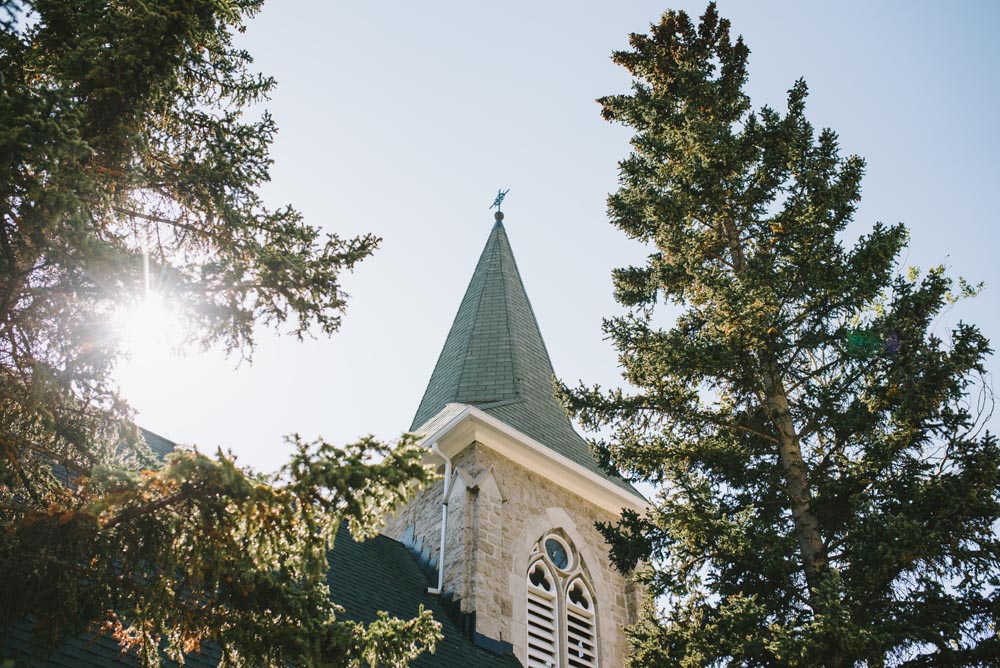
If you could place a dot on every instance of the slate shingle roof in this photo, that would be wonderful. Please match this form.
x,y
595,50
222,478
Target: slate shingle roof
x,y
365,577
83,652
495,359
160,446
381,574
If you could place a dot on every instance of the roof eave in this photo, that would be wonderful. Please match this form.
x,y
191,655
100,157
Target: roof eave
x,y
474,425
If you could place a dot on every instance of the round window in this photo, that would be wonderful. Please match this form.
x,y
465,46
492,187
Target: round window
x,y
557,553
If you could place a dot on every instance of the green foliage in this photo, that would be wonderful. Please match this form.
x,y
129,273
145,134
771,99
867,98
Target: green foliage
x,y
198,550
124,141
123,135
827,495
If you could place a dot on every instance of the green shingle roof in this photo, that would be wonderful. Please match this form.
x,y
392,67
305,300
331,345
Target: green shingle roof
x,y
160,446
495,359
85,651
381,574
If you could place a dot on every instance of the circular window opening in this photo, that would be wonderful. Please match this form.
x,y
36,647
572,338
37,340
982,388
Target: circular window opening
x,y
557,552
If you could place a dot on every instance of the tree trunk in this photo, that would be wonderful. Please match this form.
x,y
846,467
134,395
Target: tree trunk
x,y
814,558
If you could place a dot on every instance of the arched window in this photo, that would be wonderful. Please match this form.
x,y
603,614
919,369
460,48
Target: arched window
x,y
562,619
581,636
543,631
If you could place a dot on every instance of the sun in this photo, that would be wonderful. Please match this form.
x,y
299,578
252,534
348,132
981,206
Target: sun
x,y
149,333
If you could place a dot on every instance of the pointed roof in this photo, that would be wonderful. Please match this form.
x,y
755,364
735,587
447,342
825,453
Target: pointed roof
x,y
495,359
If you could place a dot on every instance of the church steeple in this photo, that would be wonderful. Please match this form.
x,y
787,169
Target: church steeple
x,y
495,359
516,544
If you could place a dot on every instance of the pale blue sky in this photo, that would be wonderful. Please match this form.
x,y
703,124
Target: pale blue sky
x,y
404,118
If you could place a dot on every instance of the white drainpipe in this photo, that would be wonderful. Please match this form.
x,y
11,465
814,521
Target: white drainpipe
x,y
444,518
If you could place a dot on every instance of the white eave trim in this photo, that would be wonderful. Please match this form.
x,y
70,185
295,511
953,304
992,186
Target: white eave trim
x,y
474,425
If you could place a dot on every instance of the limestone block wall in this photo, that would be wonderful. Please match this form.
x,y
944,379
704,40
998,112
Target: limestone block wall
x,y
498,510
423,513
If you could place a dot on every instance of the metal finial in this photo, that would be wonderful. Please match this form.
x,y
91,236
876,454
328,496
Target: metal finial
x,y
499,200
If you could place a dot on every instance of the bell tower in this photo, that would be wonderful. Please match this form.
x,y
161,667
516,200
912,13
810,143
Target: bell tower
x,y
509,529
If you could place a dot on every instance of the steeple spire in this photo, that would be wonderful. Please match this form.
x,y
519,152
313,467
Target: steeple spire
x,y
479,364
495,359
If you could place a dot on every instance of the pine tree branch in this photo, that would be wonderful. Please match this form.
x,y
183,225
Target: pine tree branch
x,y
166,221
134,512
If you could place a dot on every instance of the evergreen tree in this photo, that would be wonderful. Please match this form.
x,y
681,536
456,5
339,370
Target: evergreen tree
x,y
827,494
124,144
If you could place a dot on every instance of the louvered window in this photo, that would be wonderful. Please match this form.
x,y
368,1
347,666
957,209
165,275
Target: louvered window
x,y
543,632
581,645
562,620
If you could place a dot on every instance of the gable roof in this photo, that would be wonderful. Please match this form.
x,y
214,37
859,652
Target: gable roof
x,y
494,358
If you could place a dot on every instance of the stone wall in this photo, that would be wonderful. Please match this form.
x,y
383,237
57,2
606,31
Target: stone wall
x,y
497,512
423,513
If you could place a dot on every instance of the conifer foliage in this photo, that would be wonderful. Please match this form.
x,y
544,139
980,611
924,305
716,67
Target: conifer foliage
x,y
828,494
124,142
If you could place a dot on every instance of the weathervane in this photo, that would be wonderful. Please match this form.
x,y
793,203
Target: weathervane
x,y
499,200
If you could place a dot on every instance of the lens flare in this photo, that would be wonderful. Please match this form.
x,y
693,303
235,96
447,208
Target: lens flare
x,y
149,334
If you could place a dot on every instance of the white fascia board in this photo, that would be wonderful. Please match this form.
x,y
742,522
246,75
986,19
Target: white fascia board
x,y
474,425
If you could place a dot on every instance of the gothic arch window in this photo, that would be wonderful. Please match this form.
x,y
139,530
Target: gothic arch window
x,y
543,628
581,633
562,616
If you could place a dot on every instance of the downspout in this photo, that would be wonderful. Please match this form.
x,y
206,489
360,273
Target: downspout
x,y
444,518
